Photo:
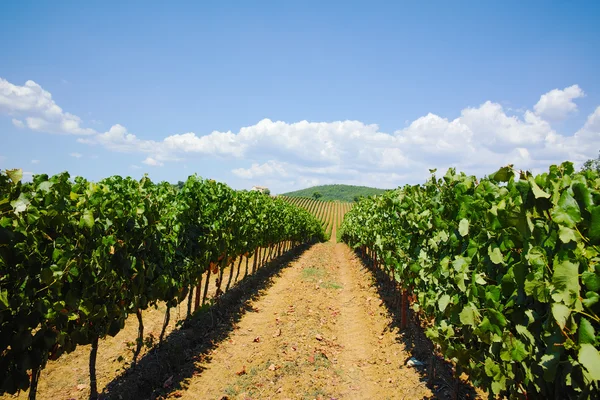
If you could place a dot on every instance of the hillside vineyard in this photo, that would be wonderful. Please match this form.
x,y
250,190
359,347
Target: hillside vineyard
x,y
330,213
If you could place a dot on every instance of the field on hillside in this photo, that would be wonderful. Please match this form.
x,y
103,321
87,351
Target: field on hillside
x,y
343,193
330,213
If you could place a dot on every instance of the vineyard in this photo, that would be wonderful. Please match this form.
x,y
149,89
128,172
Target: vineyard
x,y
78,257
504,272
331,214
499,276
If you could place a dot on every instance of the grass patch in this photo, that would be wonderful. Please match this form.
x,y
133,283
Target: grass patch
x,y
290,368
312,273
244,384
315,393
318,275
331,285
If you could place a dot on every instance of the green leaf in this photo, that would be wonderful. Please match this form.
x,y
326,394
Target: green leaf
x,y
74,271
45,186
495,255
496,317
491,368
4,298
461,264
536,257
594,231
19,205
480,279
537,191
463,227
467,315
590,359
443,302
567,234
586,331
560,312
518,351
591,299
566,281
15,175
591,281
499,385
503,174
566,212
523,331
87,219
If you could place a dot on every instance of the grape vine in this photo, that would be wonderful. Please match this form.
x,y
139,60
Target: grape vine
x,y
505,270
78,257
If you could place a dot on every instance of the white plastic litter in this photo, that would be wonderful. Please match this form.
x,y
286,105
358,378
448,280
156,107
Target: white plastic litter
x,y
413,362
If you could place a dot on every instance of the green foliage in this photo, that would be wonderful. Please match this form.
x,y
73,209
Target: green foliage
x,y
592,164
317,195
77,257
343,193
506,269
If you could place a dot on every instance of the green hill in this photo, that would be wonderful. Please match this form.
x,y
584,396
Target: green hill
x,y
336,192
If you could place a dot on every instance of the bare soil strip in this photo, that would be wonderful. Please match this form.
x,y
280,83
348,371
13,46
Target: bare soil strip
x,y
320,332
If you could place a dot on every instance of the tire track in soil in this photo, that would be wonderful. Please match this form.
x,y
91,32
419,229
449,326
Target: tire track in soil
x,y
320,332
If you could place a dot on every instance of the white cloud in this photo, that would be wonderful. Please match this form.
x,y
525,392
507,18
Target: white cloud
x,y
216,143
76,155
270,168
477,140
35,105
558,104
135,166
35,161
118,139
152,162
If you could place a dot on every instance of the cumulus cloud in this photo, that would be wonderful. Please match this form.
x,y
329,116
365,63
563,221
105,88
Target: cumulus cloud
x,y
287,155
76,155
152,162
36,107
270,168
117,138
216,143
478,141
558,104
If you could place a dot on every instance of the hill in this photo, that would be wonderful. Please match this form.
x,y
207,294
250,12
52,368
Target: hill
x,y
336,192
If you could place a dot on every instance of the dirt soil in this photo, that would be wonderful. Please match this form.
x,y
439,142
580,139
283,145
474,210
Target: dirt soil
x,y
320,332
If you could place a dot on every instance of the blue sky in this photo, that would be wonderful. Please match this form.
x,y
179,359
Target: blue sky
x,y
291,94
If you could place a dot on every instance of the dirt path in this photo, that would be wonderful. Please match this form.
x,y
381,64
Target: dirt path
x,y
320,332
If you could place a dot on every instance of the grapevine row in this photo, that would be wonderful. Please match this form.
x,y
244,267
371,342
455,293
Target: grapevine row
x,y
78,257
505,272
